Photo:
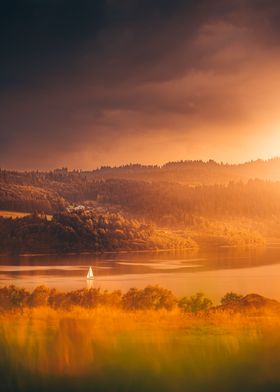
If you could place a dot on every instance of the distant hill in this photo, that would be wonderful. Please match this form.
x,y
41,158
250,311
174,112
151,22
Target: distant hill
x,y
193,172
28,198
220,203
166,203
189,172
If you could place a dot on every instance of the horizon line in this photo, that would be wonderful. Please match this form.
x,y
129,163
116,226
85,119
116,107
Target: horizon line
x,y
131,164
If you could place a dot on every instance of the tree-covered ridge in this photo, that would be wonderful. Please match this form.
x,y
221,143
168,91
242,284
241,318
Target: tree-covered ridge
x,y
28,198
181,203
161,202
235,213
192,172
83,231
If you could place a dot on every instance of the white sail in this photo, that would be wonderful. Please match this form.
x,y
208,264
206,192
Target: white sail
x,y
90,274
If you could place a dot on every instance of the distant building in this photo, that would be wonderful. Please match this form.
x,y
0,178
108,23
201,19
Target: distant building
x,y
76,208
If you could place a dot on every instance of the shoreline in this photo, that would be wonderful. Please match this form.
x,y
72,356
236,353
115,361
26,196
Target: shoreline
x,y
194,248
31,254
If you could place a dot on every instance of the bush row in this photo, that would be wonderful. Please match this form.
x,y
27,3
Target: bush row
x,y
151,297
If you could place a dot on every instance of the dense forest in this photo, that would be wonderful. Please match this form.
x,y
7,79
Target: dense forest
x,y
193,172
52,192
140,213
83,231
24,198
179,203
164,203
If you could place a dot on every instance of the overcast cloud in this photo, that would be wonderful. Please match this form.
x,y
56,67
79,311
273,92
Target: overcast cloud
x,y
88,83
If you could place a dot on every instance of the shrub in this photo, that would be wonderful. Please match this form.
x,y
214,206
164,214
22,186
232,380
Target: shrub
x,y
13,297
85,298
39,296
151,297
197,302
231,297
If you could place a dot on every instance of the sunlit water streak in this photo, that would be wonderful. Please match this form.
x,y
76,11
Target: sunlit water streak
x,y
214,271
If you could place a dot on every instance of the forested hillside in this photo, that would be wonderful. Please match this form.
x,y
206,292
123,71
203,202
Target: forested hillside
x,y
193,172
168,213
162,202
28,198
185,172
82,232
170,203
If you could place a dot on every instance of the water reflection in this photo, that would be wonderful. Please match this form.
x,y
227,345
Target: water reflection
x,y
213,271
90,284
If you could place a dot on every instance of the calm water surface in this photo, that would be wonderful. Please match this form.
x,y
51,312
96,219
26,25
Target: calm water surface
x,y
214,271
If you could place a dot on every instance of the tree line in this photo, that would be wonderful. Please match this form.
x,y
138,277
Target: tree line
x,y
81,231
150,297
192,172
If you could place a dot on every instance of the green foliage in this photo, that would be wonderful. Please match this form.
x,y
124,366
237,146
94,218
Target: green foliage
x,y
12,297
29,198
197,302
230,297
151,297
83,231
85,298
187,196
39,296
177,193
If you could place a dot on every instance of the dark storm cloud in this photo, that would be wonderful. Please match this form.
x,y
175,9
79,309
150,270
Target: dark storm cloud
x,y
40,37
79,72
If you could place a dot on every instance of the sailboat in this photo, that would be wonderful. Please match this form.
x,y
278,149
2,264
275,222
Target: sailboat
x,y
90,275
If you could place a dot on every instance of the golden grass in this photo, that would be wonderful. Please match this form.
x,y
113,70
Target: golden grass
x,y
113,319
18,214
57,342
114,349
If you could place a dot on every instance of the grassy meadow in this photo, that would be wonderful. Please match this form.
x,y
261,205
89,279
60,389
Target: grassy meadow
x,y
113,348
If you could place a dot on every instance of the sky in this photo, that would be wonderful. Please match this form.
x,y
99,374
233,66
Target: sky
x,y
87,83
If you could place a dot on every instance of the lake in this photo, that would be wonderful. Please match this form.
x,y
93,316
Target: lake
x,y
212,271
